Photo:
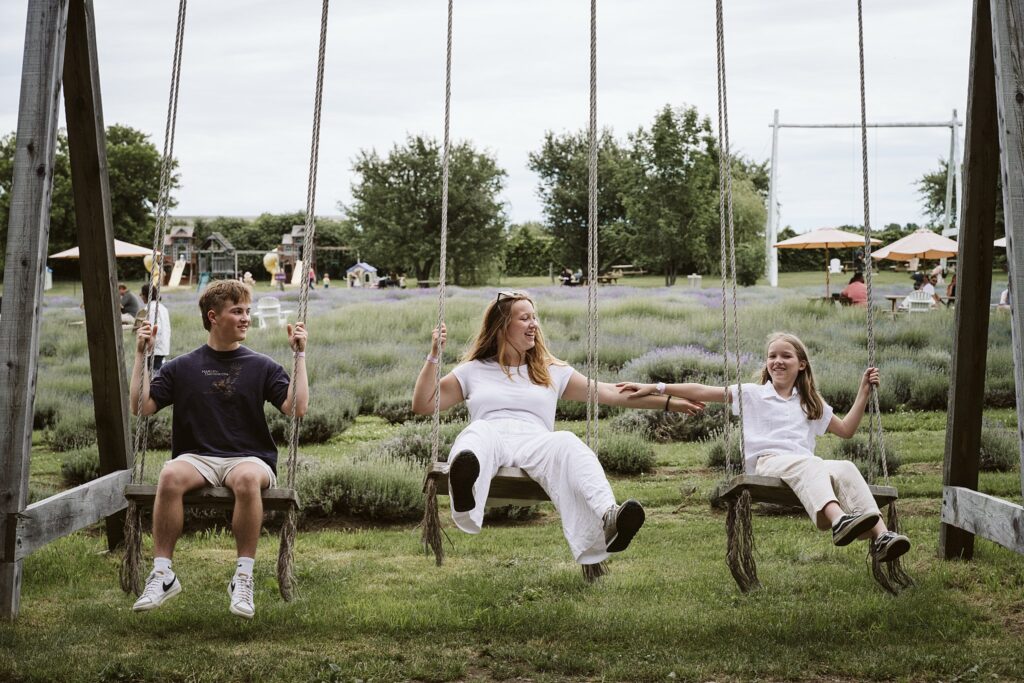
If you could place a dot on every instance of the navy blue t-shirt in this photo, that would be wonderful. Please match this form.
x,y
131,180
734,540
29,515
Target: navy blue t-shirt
x,y
218,401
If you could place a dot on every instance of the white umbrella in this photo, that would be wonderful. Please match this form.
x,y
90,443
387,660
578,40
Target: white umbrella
x,y
121,250
825,238
1001,242
921,243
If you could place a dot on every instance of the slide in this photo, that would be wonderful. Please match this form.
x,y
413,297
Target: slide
x,y
298,272
175,279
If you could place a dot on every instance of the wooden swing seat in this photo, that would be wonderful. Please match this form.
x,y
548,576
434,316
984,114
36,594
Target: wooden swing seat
x,y
510,486
214,497
774,490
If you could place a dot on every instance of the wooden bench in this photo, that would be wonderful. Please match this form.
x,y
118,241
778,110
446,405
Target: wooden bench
x,y
144,495
510,486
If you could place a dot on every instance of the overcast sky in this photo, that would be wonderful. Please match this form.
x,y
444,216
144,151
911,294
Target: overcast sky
x,y
521,68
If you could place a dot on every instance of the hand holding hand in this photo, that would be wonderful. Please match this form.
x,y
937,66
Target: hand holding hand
x,y
145,338
297,337
685,406
438,339
636,389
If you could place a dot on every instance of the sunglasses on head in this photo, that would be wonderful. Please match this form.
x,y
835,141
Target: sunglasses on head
x,y
509,294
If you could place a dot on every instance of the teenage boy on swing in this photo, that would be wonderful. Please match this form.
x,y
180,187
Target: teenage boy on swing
x,y
219,434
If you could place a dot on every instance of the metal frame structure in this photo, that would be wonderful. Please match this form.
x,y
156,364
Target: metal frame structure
x,y
954,181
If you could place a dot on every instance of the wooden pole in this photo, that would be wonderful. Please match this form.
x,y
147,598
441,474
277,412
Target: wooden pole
x,y
27,236
89,181
974,281
1008,50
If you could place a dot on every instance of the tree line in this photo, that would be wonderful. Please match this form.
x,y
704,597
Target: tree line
x,y
657,202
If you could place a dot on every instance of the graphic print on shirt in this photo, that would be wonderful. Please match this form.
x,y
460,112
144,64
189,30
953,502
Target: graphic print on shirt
x,y
225,383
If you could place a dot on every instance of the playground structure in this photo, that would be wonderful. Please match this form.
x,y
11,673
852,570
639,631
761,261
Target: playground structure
x,y
60,50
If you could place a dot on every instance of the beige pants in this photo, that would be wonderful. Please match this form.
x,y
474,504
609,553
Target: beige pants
x,y
818,482
216,470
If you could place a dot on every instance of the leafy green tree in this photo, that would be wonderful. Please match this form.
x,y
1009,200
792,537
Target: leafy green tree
x,y
932,189
396,209
527,250
563,166
134,174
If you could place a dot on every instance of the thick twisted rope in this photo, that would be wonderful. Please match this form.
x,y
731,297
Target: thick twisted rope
x,y
286,553
431,531
891,577
131,563
592,393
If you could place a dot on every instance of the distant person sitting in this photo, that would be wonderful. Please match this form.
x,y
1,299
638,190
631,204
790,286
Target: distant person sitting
x,y
130,304
905,304
577,277
929,287
162,320
938,272
856,291
951,289
566,276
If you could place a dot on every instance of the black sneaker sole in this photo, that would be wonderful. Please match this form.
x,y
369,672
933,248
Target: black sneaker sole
x,y
850,533
463,474
894,550
629,520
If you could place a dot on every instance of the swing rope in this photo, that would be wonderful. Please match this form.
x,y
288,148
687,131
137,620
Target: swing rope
x,y
286,552
892,577
739,524
131,563
431,533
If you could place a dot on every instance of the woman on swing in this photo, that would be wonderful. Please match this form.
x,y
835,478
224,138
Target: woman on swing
x,y
782,414
511,384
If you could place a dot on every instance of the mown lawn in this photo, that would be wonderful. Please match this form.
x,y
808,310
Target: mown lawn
x,y
510,605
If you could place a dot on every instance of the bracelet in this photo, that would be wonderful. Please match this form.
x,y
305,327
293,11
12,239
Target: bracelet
x,y
432,359
300,354
667,400
660,388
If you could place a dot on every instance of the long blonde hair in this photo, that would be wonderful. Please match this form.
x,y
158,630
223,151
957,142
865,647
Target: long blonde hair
x,y
491,343
810,399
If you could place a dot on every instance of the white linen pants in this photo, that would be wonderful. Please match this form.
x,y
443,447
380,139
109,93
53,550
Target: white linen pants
x,y
559,461
818,482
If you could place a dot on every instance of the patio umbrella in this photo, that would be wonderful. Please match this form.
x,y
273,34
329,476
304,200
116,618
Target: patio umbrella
x,y
824,238
1001,242
921,243
121,250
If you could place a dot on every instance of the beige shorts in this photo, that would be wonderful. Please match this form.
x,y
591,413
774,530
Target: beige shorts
x,y
216,470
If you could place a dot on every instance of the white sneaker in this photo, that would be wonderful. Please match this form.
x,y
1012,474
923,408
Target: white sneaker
x,y
157,591
240,589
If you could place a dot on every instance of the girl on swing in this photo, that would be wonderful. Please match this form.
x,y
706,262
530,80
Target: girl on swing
x,y
511,384
781,417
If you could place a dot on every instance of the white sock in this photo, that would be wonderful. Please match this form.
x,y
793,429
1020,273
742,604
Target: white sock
x,y
163,564
244,566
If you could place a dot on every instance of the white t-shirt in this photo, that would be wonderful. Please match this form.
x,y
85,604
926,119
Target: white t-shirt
x,y
928,288
162,319
492,395
772,424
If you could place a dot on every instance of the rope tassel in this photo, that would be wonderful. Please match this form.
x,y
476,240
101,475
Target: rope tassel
x,y
891,576
431,534
740,543
131,563
593,572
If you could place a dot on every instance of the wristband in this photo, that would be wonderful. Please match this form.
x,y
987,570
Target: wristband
x,y
667,400
300,354
432,359
660,388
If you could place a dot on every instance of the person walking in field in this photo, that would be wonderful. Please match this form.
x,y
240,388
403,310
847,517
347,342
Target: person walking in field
x,y
511,384
782,415
219,433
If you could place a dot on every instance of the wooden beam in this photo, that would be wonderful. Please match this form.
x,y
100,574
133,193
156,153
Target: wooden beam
x,y
974,281
1008,50
28,230
67,512
88,154
214,497
510,486
998,520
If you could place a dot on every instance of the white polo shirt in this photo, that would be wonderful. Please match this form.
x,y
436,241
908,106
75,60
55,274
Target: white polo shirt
x,y
492,395
777,425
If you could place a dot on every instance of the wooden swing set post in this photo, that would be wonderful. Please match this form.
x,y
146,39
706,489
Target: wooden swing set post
x,y
60,46
995,121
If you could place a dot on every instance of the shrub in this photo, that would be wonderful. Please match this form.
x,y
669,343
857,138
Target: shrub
x,y
858,451
381,489
577,410
45,413
73,429
625,453
1000,451
716,450
750,263
80,466
663,427
159,426
396,410
331,412
412,443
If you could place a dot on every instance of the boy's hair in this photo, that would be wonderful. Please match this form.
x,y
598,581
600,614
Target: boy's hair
x,y
810,400
219,293
490,341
